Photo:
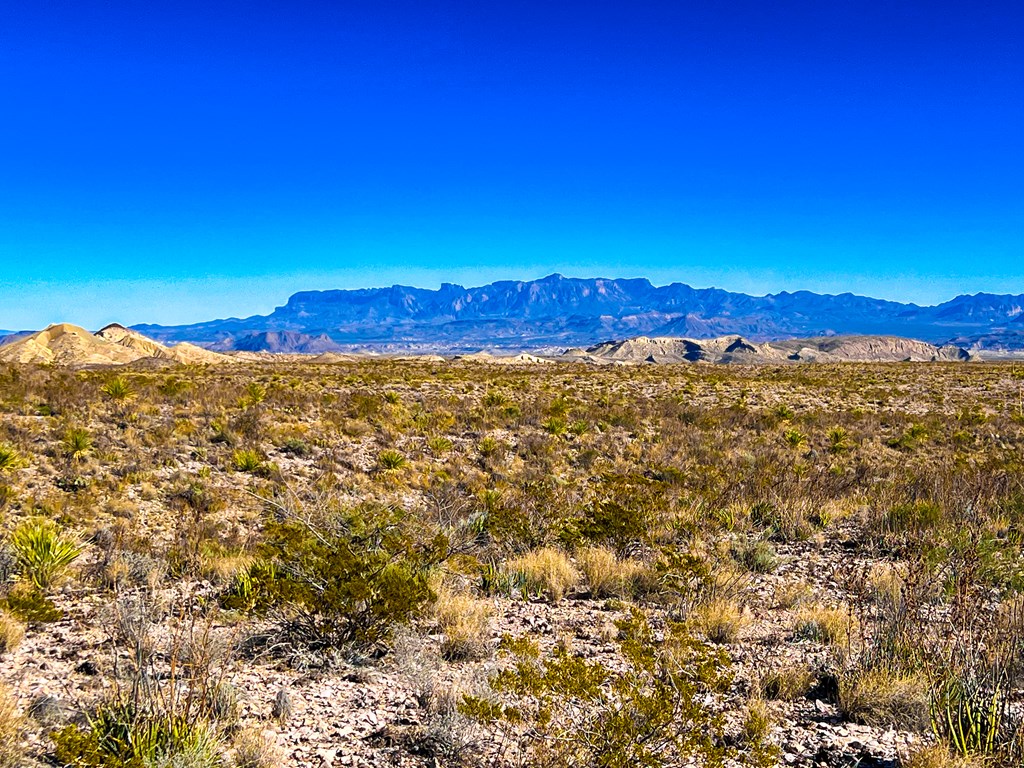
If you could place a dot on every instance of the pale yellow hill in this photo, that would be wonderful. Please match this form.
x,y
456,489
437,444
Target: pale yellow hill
x,y
188,354
69,345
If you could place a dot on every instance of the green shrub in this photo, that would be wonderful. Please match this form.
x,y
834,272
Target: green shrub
x,y
43,552
340,577
296,447
27,603
652,712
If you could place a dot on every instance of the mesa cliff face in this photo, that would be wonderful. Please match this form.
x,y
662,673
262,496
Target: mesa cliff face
x,y
572,312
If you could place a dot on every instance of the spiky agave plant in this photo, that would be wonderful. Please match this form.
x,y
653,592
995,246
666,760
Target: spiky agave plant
x,y
10,458
118,389
77,444
43,552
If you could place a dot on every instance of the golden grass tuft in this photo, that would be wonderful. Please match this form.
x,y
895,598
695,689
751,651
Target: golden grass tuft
x,y
12,632
466,623
787,683
606,574
12,731
823,624
253,750
546,570
720,621
882,697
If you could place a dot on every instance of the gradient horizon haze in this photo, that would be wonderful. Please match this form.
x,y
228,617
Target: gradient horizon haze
x,y
172,163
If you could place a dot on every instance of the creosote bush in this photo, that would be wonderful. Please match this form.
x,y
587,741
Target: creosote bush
x,y
573,711
336,577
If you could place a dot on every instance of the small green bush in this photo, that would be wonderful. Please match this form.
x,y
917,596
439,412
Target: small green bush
x,y
27,603
342,578
651,713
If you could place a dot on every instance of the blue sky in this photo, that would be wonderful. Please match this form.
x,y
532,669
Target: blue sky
x,y
178,162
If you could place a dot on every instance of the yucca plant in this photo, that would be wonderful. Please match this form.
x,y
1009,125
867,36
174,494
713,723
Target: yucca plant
x,y
556,425
10,458
255,394
390,460
77,444
794,438
246,460
838,440
43,552
118,389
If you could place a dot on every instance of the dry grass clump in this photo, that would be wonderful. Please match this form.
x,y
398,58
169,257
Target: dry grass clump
x,y
253,750
12,731
885,698
937,756
787,683
606,574
12,632
466,623
792,594
823,624
545,570
720,621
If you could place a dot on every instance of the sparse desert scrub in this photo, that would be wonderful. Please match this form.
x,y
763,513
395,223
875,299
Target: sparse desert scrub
x,y
545,571
680,494
581,712
168,709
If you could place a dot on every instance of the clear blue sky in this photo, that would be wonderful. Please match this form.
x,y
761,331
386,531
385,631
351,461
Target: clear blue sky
x,y
178,162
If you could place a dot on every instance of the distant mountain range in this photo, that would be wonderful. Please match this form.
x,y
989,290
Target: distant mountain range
x,y
556,311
